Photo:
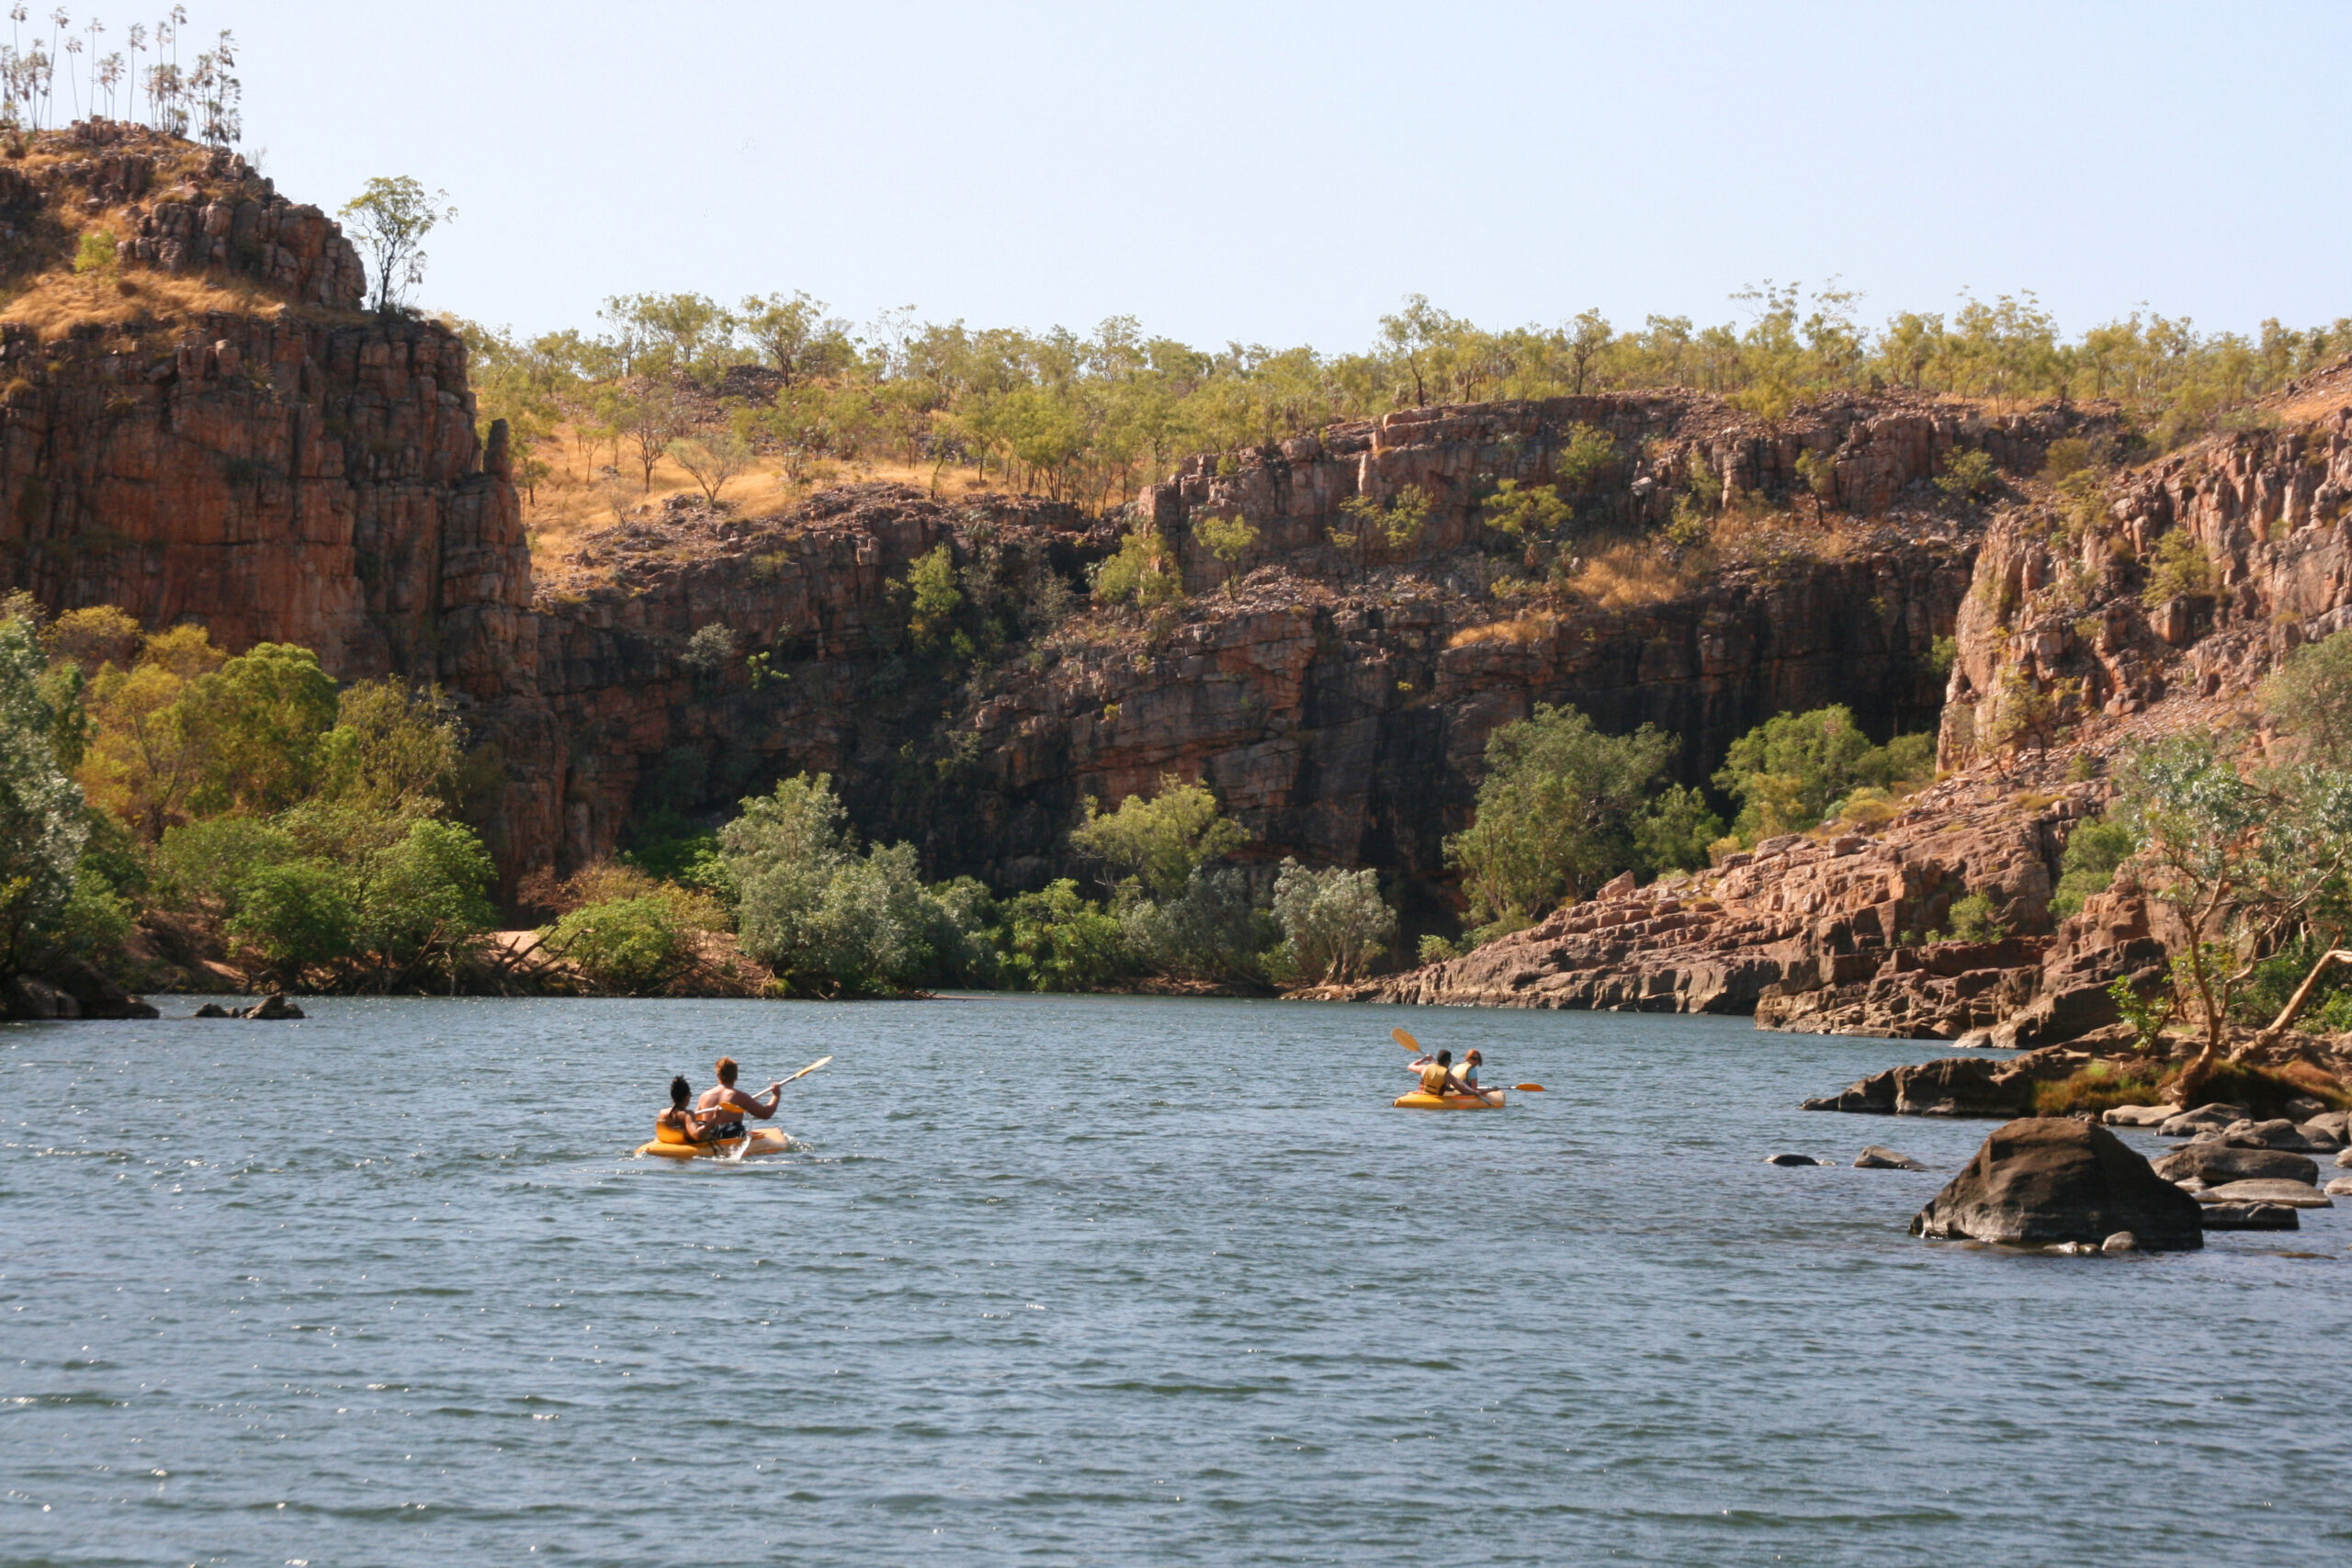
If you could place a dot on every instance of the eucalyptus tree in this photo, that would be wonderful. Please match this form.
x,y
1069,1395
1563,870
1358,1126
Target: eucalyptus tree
x,y
390,216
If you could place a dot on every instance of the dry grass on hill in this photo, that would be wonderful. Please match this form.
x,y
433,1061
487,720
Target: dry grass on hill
x,y
569,501
132,298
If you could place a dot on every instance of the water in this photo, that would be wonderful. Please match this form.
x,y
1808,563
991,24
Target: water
x,y
1088,1280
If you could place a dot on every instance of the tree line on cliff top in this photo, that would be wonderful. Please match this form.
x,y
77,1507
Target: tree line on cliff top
x,y
1086,418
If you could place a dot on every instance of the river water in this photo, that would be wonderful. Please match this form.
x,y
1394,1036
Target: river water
x,y
1088,1280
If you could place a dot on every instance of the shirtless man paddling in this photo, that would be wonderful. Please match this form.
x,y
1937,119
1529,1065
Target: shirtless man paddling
x,y
734,1104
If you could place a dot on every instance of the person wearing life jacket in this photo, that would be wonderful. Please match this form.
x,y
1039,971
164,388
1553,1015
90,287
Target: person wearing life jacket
x,y
731,1104
1467,1073
1438,1077
686,1125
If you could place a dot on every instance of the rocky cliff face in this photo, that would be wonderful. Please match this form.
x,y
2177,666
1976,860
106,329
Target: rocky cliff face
x,y
2082,633
2075,623
1341,711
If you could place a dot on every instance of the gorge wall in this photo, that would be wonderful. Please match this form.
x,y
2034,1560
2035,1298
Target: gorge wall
x,y
1339,711
2083,633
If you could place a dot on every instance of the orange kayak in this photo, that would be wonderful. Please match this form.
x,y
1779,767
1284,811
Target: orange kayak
x,y
1421,1100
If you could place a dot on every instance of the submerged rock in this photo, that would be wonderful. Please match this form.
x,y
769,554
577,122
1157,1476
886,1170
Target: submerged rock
x,y
2043,1179
1878,1156
2250,1217
2294,1194
2122,1241
212,1010
2339,1187
1790,1159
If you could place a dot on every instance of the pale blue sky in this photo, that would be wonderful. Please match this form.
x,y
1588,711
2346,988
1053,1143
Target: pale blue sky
x,y
1285,173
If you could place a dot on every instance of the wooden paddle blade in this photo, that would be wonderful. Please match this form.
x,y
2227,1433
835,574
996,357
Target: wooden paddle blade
x,y
809,1068
1404,1039
1529,1088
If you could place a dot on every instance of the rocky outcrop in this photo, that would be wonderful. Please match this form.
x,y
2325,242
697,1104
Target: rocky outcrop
x,y
1870,452
2070,613
2044,1180
1810,933
68,987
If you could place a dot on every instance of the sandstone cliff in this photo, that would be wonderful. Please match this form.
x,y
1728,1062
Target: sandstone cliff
x,y
2083,633
1338,708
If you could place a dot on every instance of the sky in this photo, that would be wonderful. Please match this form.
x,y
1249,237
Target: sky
x,y
1285,174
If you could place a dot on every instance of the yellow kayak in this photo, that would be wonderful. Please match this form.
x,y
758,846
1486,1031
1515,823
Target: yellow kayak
x,y
1421,1100
762,1140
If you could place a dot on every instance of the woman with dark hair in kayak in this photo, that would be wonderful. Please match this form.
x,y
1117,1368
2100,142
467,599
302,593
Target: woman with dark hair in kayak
x,y
690,1125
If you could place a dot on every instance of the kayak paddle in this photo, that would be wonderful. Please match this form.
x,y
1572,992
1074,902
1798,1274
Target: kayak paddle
x,y
1406,1040
1529,1088
807,1070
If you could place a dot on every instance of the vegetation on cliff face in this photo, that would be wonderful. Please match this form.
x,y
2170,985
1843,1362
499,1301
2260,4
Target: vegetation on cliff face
x,y
1792,771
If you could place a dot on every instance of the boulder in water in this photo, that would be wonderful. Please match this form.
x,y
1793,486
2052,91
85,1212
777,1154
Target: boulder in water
x,y
2294,1194
2250,1217
2213,1162
1878,1156
272,1006
2138,1116
2204,1119
2043,1179
1790,1159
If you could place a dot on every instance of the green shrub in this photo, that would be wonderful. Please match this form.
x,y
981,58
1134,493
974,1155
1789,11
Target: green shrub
x,y
1435,949
42,824
1564,808
1968,475
2310,699
204,863
1157,843
1972,919
627,946
293,914
1059,941
1143,574
96,920
2094,851
1212,930
1791,771
1335,924
98,252
2177,569
424,896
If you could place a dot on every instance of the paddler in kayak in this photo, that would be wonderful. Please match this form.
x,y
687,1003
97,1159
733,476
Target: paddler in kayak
x,y
732,1104
1437,1077
1466,1074
691,1126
